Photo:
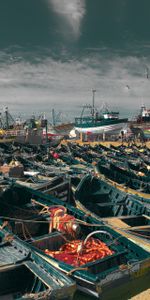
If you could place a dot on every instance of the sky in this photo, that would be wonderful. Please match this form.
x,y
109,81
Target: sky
x,y
54,52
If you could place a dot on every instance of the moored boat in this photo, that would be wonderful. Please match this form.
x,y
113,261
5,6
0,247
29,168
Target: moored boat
x,y
127,213
144,115
106,200
135,228
124,177
95,123
25,275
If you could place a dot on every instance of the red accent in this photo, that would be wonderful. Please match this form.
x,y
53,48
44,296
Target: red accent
x,y
61,221
55,155
76,253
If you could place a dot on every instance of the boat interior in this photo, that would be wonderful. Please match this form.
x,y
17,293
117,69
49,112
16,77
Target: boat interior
x,y
135,225
123,253
125,179
17,278
65,227
21,202
18,282
24,216
108,201
57,185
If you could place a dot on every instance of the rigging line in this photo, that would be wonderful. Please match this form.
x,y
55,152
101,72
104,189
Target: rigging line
x,y
44,221
47,222
24,221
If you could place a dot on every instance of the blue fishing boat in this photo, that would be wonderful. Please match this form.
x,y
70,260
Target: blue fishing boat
x,y
126,212
96,123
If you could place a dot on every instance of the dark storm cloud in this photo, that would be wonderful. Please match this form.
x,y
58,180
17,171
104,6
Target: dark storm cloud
x,y
36,22
25,23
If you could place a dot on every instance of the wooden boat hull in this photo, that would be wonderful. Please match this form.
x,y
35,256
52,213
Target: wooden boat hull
x,y
121,178
25,275
112,127
97,284
135,228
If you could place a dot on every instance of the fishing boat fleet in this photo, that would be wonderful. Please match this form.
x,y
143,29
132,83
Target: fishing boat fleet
x,y
75,215
74,218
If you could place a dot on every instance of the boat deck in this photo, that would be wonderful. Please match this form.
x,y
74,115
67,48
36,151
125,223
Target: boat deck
x,y
126,230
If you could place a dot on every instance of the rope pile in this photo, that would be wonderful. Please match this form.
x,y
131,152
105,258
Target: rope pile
x,y
78,253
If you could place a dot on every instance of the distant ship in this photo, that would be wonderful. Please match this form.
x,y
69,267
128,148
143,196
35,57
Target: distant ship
x,y
142,121
99,123
144,115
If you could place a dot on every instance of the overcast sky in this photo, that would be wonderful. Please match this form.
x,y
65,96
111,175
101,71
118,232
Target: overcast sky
x,y
54,52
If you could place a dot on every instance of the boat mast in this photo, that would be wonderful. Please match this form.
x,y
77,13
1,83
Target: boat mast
x,y
6,114
53,117
93,104
147,72
1,124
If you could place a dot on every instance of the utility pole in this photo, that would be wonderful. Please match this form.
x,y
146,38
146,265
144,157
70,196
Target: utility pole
x,y
6,114
53,117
